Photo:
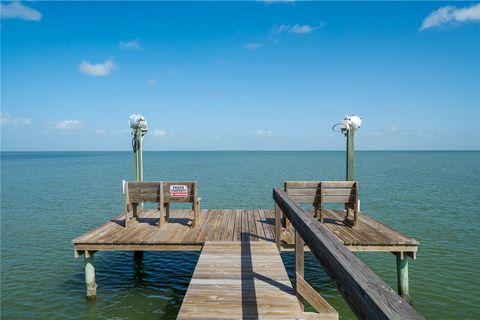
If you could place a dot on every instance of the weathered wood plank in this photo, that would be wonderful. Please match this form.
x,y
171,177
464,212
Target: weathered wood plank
x,y
314,299
240,280
324,191
315,184
368,295
316,198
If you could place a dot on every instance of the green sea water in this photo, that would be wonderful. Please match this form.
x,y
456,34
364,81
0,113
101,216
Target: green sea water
x,y
49,198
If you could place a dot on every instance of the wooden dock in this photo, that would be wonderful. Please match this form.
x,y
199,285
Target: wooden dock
x,y
248,280
232,225
240,274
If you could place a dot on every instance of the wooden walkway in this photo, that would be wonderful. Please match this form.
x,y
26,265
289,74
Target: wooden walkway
x,y
232,225
243,280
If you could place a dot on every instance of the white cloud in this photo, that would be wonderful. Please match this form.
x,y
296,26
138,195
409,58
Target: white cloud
x,y
451,15
100,131
159,133
99,69
172,72
9,120
297,28
16,10
66,125
130,45
263,133
152,82
123,132
252,46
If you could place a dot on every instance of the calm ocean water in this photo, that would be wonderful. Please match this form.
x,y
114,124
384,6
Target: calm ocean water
x,y
47,199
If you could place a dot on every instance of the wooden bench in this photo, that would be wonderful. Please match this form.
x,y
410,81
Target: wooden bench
x,y
163,193
317,193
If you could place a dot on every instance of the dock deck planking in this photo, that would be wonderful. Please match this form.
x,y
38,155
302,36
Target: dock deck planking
x,y
242,280
232,225
368,235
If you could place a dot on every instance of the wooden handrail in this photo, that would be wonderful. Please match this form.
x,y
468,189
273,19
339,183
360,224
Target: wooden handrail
x,y
366,293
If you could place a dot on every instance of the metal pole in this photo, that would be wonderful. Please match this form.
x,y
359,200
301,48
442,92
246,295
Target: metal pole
x,y
140,157
138,161
350,153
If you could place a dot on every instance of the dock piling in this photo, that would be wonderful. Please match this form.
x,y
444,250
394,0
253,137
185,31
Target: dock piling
x,y
90,275
402,277
138,257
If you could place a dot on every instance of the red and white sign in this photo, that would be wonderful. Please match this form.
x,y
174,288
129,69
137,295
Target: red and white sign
x,y
178,191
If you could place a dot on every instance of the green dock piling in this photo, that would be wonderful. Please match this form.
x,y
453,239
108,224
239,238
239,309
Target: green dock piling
x,y
402,277
90,276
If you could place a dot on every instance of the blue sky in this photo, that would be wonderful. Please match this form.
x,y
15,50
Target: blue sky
x,y
240,76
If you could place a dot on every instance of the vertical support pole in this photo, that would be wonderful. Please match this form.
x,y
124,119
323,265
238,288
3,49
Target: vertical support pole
x,y
167,212
140,155
90,275
402,277
161,206
137,156
278,227
299,264
138,258
350,153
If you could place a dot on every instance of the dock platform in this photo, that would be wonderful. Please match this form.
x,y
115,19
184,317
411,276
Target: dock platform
x,y
233,225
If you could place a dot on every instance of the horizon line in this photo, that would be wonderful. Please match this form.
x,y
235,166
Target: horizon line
x,y
244,150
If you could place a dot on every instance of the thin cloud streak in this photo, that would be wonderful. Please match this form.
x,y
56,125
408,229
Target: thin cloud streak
x,y
451,15
296,29
159,133
263,133
130,45
9,120
16,10
252,46
65,125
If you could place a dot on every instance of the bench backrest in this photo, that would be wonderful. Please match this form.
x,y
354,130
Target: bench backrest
x,y
319,192
160,191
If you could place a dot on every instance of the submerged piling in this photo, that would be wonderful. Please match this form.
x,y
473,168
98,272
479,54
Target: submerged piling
x,y
90,275
402,277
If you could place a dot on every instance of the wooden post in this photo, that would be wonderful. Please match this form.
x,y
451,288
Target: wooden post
x,y
350,153
402,277
138,257
278,227
195,205
161,206
299,265
90,275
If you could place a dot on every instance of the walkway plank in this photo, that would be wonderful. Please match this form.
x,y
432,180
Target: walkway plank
x,y
240,280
